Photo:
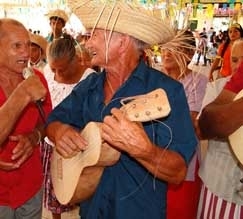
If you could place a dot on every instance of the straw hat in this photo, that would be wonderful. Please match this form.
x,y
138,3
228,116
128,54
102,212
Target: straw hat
x,y
58,13
40,41
127,18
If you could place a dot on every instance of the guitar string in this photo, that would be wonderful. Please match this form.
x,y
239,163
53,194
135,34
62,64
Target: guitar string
x,y
165,148
154,178
153,140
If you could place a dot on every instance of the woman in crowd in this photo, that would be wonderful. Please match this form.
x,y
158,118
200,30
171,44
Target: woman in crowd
x,y
222,60
194,84
67,65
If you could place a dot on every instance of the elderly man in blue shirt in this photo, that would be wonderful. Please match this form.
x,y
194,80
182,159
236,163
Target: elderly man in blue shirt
x,y
150,153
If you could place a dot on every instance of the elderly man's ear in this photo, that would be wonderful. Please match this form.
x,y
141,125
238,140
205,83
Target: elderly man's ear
x,y
125,41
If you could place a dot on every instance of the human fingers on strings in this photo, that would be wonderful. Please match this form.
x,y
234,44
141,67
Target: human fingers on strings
x,y
69,145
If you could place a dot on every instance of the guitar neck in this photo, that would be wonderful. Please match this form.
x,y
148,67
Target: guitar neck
x,y
148,107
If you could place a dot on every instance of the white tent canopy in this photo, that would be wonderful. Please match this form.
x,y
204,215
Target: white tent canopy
x,y
32,14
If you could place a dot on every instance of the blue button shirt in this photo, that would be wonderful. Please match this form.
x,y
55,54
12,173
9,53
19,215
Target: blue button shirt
x,y
127,189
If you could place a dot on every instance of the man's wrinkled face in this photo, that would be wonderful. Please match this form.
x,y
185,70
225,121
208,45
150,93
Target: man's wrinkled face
x,y
15,48
103,47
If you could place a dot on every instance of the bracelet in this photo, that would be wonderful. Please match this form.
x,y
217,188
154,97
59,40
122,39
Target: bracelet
x,y
39,136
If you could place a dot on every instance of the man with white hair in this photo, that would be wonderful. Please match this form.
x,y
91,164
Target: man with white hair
x,y
133,183
21,128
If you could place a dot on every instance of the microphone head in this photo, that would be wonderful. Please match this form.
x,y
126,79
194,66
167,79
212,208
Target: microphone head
x,y
27,72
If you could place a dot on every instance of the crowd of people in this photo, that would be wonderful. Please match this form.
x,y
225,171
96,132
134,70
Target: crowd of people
x,y
149,162
215,49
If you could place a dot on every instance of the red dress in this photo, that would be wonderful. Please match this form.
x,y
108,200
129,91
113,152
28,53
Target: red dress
x,y
18,186
226,67
183,199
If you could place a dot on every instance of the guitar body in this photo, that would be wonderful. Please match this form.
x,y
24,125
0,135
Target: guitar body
x,y
70,186
236,138
65,172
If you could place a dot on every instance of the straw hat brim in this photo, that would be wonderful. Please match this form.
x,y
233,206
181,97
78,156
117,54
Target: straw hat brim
x,y
124,18
40,41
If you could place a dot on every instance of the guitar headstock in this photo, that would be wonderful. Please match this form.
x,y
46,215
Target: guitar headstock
x,y
147,107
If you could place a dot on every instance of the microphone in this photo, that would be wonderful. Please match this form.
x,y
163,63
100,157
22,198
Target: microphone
x,y
28,72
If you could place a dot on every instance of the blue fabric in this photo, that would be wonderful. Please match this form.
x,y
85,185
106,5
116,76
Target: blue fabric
x,y
127,190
